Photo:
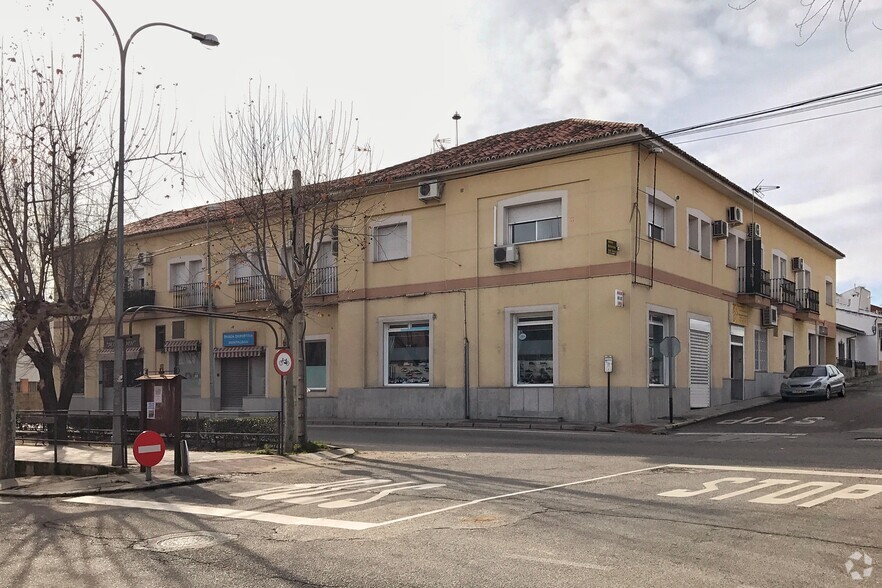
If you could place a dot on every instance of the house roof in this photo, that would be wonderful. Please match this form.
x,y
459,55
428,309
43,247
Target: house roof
x,y
535,139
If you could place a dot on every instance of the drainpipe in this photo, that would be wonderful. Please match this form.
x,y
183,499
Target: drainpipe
x,y
465,355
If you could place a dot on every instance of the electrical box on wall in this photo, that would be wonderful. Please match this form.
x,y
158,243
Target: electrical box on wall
x,y
619,298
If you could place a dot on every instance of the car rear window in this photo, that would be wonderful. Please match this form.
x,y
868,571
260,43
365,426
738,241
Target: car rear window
x,y
809,371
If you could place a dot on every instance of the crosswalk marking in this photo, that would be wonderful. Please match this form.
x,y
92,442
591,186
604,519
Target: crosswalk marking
x,y
230,513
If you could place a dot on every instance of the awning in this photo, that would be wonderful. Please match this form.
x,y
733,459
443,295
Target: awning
x,y
110,354
244,351
173,345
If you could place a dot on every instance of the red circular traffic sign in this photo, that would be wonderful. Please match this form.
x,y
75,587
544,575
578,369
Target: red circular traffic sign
x,y
149,448
283,362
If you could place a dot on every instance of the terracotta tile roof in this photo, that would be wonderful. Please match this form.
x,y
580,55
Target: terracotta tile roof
x,y
532,139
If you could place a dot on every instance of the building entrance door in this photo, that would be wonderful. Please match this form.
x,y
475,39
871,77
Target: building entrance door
x,y
736,362
234,381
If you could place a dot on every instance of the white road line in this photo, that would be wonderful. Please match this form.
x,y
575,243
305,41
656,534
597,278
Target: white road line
x,y
794,472
750,433
1,502
557,562
230,513
519,493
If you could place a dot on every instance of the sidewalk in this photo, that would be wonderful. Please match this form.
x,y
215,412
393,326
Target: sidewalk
x,y
204,466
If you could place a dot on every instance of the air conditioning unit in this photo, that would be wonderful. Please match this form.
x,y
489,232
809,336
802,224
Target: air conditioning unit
x,y
754,231
734,215
770,316
506,255
797,264
720,229
429,191
145,258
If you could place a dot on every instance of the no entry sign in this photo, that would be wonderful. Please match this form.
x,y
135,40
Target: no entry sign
x,y
149,448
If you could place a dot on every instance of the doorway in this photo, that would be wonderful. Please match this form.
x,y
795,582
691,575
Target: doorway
x,y
736,362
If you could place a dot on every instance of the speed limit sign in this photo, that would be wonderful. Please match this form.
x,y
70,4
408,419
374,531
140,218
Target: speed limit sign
x,y
284,362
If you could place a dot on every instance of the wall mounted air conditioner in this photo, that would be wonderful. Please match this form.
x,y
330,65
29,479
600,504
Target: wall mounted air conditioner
x,y
734,215
145,258
770,316
429,191
754,231
506,255
797,264
720,229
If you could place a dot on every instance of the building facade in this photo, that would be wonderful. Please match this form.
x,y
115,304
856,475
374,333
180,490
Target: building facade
x,y
858,340
503,278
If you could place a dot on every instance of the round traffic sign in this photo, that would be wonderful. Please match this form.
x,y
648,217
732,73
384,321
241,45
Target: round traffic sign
x,y
283,362
149,448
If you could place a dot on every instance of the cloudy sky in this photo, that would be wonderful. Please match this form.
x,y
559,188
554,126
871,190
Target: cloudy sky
x,y
406,66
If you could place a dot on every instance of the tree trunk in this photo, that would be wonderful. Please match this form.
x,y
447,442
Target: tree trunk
x,y
295,384
7,414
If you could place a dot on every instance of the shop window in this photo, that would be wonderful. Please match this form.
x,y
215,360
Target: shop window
x,y
407,353
533,347
660,326
160,338
316,364
189,365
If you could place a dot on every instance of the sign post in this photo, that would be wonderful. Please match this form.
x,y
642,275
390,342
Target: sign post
x,y
149,449
283,362
670,348
608,367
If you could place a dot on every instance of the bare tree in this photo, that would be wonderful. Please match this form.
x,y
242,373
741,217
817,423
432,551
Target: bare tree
x,y
815,13
289,179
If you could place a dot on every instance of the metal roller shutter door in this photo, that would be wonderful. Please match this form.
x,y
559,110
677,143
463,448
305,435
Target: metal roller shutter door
x,y
234,381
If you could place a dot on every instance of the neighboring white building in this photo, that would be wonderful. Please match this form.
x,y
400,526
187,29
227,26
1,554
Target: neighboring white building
x,y
858,340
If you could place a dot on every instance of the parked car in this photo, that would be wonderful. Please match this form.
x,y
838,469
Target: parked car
x,y
818,381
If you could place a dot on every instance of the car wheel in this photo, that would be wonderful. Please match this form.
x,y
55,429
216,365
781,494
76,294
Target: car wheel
x,y
828,395
842,392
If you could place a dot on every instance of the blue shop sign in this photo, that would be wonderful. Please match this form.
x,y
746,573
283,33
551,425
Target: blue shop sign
x,y
239,339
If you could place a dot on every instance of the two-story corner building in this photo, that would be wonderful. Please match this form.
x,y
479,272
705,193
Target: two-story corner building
x,y
858,340
501,273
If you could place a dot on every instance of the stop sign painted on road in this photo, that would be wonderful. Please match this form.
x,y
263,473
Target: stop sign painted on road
x,y
149,448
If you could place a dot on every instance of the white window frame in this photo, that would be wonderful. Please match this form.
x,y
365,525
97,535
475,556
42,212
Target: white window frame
x,y
327,341
388,222
186,259
703,222
829,291
671,331
760,352
740,240
383,348
777,253
511,363
669,233
501,232
252,262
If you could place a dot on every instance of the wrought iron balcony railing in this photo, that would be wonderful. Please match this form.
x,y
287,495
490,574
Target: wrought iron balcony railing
x,y
255,288
193,295
784,291
322,281
808,299
754,281
140,297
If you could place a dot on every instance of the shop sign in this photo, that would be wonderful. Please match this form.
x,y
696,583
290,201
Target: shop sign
x,y
240,339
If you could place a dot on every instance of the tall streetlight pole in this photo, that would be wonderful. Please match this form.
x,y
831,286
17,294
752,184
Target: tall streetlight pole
x,y
119,445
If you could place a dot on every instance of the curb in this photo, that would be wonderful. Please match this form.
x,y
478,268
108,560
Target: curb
x,y
26,491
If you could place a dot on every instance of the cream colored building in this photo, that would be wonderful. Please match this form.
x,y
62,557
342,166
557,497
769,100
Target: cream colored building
x,y
498,276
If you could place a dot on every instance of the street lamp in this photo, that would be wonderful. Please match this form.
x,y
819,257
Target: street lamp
x,y
119,444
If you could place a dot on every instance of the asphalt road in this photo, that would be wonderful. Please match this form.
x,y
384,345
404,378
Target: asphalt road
x,y
782,495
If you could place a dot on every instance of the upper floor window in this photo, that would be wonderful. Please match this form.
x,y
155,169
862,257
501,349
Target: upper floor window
x,y
699,234
540,221
661,217
185,272
829,292
390,239
735,248
531,217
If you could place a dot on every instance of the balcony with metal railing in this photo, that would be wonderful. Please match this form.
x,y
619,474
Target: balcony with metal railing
x,y
138,297
255,288
754,287
194,295
807,303
784,291
322,281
